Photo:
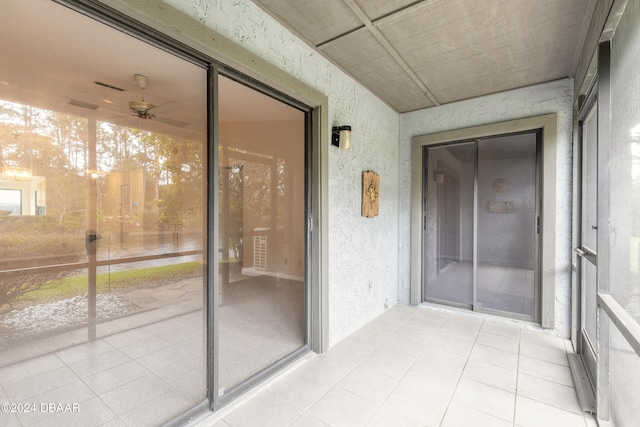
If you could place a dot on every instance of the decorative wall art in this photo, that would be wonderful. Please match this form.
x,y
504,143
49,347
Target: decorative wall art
x,y
500,185
370,194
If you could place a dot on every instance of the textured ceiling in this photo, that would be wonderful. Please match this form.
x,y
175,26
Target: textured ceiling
x,y
417,54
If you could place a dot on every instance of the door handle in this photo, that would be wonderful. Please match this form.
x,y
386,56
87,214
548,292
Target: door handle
x,y
580,252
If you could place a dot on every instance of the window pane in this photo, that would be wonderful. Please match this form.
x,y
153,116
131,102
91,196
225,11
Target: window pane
x,y
507,223
449,234
625,163
624,379
262,232
102,221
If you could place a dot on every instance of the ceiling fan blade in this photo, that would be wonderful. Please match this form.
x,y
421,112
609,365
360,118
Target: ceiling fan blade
x,y
171,122
164,108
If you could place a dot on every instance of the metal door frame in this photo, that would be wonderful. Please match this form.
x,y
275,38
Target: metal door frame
x,y
538,215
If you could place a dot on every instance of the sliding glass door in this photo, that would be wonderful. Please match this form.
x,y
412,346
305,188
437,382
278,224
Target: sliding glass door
x,y
154,246
449,184
482,224
262,233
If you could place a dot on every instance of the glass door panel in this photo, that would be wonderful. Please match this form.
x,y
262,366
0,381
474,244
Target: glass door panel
x,y
261,298
507,222
449,184
103,251
481,224
588,239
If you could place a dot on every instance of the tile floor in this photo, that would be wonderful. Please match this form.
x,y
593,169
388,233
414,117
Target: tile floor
x,y
140,377
422,366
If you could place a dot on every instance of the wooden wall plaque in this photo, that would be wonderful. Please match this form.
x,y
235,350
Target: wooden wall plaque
x,y
370,194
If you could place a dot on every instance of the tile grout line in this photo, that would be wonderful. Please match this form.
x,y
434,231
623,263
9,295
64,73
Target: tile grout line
x,y
515,394
461,373
305,410
412,363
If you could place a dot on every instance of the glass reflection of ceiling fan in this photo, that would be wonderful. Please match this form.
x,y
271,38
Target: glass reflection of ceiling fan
x,y
147,111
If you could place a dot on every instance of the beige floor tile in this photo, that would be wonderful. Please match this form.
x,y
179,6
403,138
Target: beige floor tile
x,y
84,351
387,363
160,409
492,375
369,384
494,356
442,360
443,341
25,389
418,402
531,413
92,413
401,346
546,370
96,363
501,342
266,409
430,379
340,407
459,415
117,376
553,354
129,396
500,328
302,388
386,417
29,368
490,400
548,392
307,420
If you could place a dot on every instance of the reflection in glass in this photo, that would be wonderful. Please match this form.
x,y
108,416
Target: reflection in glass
x,y
449,235
507,223
624,190
624,378
262,232
496,188
102,222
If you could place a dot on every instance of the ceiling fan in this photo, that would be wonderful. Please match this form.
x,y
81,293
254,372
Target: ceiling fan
x,y
147,111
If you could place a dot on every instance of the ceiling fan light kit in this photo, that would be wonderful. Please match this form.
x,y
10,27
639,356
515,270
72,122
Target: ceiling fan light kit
x,y
147,111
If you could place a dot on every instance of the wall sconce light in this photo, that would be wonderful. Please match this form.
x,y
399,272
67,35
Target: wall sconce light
x,y
341,137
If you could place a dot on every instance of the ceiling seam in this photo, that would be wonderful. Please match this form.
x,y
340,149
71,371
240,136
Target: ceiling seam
x,y
399,13
333,39
390,49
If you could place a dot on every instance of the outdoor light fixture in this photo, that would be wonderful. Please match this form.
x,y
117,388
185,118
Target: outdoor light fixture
x,y
341,137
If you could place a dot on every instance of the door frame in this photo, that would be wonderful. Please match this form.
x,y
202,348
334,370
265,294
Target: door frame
x,y
441,173
548,124
582,255
169,29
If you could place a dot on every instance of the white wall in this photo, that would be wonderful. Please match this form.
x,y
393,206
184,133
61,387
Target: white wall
x,y
361,250
554,97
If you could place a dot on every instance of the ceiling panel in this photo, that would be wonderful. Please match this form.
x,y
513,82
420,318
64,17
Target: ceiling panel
x,y
467,49
317,21
376,9
371,64
452,49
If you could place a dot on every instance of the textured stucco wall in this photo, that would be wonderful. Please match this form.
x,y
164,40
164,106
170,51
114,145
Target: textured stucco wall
x,y
554,97
361,250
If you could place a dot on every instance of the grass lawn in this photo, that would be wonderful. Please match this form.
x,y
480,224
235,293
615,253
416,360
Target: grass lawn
x,y
76,285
